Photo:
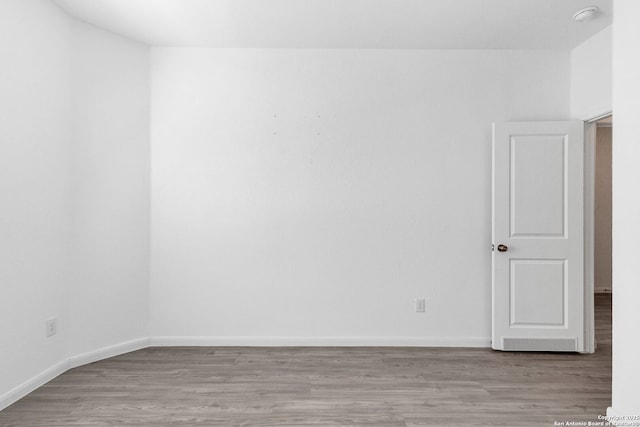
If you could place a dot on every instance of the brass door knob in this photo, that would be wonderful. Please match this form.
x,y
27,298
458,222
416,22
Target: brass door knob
x,y
503,248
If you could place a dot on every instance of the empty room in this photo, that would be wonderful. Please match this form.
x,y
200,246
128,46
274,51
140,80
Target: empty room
x,y
319,212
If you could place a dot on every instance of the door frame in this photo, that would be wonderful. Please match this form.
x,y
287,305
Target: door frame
x,y
589,226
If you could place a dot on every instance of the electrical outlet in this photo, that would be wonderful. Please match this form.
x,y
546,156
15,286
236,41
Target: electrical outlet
x,y
51,326
420,305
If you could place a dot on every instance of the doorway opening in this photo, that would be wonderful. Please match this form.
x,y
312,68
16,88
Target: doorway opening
x,y
602,207
602,190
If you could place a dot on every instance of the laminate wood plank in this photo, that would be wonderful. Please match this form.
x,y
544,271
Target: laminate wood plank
x,y
327,386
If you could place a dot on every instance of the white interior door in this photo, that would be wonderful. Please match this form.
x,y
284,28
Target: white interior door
x,y
538,236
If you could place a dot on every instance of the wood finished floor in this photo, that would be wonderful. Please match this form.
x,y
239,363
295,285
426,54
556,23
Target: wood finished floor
x,y
240,386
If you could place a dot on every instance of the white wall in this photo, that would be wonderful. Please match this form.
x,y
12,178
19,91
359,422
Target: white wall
x,y
74,192
602,214
316,193
591,75
111,188
626,209
35,187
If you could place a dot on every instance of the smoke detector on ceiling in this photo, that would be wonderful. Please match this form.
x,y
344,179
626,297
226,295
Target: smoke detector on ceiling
x,y
585,14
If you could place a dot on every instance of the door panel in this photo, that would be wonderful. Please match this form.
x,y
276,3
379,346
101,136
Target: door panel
x,y
537,196
538,288
537,263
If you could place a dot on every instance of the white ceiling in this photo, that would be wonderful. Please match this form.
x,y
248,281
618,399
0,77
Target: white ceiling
x,y
393,24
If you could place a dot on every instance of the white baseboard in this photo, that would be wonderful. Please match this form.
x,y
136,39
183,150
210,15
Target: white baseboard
x,y
602,289
34,383
47,375
611,413
617,418
107,352
278,341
